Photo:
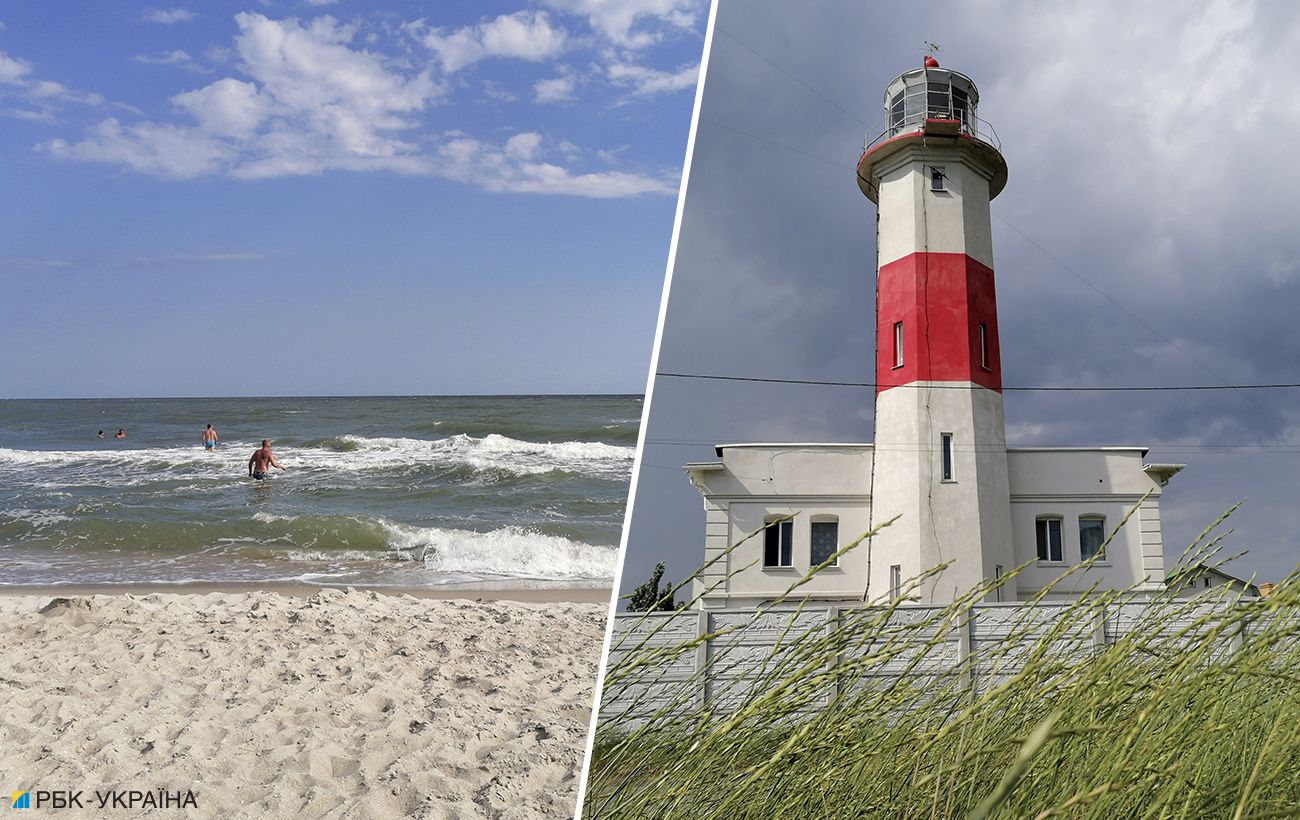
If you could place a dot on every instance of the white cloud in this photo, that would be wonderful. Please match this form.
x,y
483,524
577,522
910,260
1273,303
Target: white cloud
x,y
227,107
161,150
649,81
321,2
174,57
13,69
517,168
617,19
167,16
310,100
34,262
523,147
49,90
524,35
29,115
313,104
559,89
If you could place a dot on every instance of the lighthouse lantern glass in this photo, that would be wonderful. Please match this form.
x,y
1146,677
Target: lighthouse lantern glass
x,y
930,93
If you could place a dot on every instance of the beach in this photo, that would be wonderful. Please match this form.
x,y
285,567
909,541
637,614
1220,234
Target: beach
x,y
303,703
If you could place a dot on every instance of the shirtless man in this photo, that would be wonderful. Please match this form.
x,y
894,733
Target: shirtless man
x,y
262,461
209,438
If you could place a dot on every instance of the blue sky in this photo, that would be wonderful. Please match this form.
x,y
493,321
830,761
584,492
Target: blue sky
x,y
319,198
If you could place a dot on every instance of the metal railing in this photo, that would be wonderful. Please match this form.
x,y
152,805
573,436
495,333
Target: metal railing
x,y
970,125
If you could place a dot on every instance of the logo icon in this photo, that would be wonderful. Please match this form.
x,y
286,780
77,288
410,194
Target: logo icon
x,y
20,800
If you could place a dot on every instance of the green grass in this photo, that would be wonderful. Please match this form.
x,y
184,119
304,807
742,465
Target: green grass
x,y
856,721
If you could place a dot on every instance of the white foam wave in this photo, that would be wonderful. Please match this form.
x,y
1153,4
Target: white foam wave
x,y
507,551
35,518
492,452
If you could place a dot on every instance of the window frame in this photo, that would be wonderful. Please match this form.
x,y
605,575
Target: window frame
x,y
898,344
984,346
895,581
782,531
947,459
997,578
823,520
1045,548
1101,520
938,179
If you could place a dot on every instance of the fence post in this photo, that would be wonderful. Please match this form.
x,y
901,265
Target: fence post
x,y
702,657
965,642
1099,633
833,627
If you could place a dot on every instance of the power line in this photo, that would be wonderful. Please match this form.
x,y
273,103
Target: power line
x,y
1271,449
1226,385
775,143
1018,389
836,105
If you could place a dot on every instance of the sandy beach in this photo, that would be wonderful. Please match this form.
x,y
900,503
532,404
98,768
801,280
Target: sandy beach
x,y
325,703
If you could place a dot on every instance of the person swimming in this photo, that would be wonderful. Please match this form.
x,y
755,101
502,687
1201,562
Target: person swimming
x,y
120,433
209,438
101,434
260,463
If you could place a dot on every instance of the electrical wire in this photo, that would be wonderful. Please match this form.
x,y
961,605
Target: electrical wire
x,y
1136,388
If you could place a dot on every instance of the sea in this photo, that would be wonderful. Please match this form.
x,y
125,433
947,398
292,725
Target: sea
x,y
403,492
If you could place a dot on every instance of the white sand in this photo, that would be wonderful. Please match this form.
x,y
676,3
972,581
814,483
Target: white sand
x,y
341,704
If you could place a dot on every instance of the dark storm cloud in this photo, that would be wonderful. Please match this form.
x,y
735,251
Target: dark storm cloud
x,y
1145,155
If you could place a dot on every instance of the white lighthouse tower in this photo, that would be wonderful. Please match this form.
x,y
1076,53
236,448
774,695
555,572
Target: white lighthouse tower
x,y
1072,519
940,462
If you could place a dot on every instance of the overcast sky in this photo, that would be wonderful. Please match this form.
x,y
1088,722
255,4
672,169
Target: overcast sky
x,y
1147,154
331,196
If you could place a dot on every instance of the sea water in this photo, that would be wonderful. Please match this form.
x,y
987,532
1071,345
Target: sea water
x,y
393,491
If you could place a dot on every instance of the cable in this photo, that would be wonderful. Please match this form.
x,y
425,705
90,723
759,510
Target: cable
x,y
1002,219
836,105
1019,389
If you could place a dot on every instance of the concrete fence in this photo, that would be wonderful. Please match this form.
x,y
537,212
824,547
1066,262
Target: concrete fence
x,y
675,663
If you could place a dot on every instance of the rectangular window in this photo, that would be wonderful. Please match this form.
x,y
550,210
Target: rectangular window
x,y
898,344
825,538
946,445
1092,532
984,346
937,179
997,577
1049,539
895,581
778,545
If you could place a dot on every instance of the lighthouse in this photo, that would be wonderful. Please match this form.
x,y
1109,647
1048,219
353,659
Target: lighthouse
x,y
941,464
965,508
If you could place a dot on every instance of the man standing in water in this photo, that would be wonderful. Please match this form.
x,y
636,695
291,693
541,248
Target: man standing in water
x,y
209,438
262,461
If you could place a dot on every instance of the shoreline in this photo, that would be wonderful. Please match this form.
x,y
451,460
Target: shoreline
x,y
518,591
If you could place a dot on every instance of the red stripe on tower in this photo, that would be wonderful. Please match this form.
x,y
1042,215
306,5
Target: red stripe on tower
x,y
941,308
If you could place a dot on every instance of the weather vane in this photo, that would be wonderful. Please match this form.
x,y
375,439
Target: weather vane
x,y
931,48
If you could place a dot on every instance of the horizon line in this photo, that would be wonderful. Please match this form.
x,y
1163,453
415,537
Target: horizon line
x,y
331,396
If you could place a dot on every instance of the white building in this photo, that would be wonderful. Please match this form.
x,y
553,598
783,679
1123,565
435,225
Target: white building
x,y
940,467
1195,579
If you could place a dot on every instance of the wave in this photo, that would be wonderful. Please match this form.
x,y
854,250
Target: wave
x,y
324,541
511,551
492,453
